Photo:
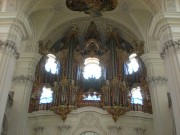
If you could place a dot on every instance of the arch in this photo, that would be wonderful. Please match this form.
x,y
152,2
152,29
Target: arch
x,y
96,130
128,32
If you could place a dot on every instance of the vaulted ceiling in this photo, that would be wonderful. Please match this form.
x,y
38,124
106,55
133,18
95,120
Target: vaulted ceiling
x,y
51,18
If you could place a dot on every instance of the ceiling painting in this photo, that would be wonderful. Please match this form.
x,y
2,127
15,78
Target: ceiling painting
x,y
92,7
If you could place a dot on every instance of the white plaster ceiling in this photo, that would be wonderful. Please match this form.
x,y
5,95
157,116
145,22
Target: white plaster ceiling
x,y
51,18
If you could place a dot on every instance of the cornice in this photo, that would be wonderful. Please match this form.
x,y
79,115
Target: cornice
x,y
167,45
156,79
9,46
23,79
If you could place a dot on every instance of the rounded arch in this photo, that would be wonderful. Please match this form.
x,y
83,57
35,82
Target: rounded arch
x,y
128,31
96,130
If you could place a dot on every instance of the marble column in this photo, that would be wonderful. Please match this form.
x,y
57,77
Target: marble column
x,y
8,56
158,91
22,86
171,57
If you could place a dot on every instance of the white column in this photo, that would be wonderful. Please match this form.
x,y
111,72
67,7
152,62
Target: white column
x,y
170,55
22,86
8,56
158,90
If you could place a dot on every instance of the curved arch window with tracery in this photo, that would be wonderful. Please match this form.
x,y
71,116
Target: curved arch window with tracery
x,y
77,73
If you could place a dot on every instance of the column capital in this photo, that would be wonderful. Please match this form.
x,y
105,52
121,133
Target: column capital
x,y
10,47
156,79
169,44
23,79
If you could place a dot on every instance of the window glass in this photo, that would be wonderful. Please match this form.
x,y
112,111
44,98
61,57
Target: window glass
x,y
92,68
136,96
51,64
92,97
132,65
46,96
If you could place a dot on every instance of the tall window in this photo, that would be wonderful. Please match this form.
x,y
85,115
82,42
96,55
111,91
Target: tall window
x,y
92,68
132,65
136,97
46,96
51,64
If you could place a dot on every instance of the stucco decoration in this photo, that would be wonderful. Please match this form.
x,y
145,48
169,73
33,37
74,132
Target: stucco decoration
x,y
23,79
94,8
89,122
10,47
169,44
156,79
11,5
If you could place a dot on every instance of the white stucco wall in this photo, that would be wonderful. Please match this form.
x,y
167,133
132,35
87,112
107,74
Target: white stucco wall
x,y
89,119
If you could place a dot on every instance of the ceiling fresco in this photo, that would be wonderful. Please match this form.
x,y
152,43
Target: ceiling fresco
x,y
92,7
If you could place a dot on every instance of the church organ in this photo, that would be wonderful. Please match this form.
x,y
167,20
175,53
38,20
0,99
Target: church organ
x,y
111,90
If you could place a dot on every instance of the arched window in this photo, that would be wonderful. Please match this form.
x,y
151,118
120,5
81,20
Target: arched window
x,y
46,95
132,64
136,97
92,68
51,64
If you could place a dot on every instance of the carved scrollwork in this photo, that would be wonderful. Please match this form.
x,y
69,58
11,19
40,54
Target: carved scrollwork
x,y
9,46
63,111
89,121
116,111
44,47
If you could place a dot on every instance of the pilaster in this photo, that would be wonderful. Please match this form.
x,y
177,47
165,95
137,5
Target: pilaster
x,y
13,29
8,56
22,86
170,55
158,90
